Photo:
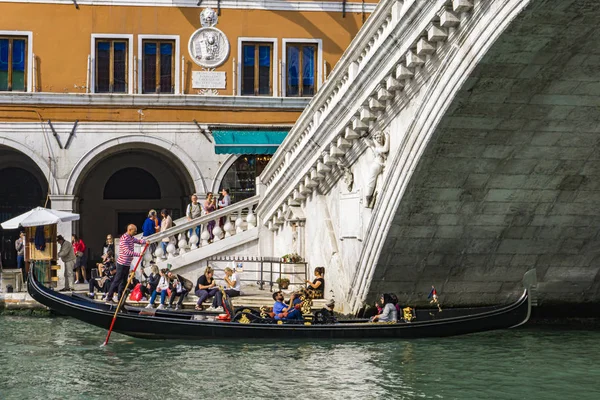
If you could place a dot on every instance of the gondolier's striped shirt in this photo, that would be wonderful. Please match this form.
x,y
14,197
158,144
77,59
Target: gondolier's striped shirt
x,y
126,252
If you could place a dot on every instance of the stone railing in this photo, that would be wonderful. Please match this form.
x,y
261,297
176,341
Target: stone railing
x,y
382,69
237,218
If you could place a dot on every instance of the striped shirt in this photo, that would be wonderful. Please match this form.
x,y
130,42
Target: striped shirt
x,y
126,252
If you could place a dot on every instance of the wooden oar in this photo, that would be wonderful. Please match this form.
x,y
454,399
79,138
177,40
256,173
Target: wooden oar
x,y
124,295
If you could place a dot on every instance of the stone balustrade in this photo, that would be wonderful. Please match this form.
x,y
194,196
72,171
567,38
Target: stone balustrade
x,y
237,218
381,69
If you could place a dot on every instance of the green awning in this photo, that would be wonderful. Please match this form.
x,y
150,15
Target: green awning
x,y
247,142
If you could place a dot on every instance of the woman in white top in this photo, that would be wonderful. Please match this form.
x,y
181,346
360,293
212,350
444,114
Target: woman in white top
x,y
233,289
163,285
166,223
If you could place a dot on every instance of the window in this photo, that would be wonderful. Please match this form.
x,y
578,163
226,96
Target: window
x,y
111,66
158,66
301,67
257,69
240,178
13,63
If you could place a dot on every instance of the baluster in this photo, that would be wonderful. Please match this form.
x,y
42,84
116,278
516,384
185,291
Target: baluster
x,y
194,240
183,245
159,252
251,218
205,236
228,227
217,232
171,250
239,223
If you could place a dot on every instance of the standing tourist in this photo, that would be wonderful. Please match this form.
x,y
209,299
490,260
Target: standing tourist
x,y
80,262
210,206
166,223
20,247
224,202
67,255
150,227
126,255
193,211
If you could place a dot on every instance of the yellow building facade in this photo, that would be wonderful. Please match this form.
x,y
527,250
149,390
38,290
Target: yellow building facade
x,y
111,108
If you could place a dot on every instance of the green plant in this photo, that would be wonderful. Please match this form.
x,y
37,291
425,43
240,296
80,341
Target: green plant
x,y
291,258
283,283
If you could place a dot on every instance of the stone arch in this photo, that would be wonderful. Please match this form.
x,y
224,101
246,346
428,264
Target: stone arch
x,y
439,95
222,171
96,154
39,161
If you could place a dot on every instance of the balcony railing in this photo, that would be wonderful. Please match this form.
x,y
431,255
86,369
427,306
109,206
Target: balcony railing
x,y
228,221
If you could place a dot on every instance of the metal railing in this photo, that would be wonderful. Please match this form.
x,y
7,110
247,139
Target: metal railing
x,y
267,270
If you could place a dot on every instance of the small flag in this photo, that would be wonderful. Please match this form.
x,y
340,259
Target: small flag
x,y
433,293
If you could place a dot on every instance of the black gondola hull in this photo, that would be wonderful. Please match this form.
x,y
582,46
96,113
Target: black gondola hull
x,y
185,326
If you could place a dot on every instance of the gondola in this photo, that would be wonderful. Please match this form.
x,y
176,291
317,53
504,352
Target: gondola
x,y
149,324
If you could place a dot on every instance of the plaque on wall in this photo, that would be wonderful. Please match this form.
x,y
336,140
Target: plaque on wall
x,y
208,80
208,46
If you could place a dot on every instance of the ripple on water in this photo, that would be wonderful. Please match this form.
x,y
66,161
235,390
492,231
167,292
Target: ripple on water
x,y
61,358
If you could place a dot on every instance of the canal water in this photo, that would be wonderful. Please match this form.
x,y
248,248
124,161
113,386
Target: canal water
x,y
60,358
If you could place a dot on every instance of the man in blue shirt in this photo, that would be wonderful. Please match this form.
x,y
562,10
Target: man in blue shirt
x,y
283,311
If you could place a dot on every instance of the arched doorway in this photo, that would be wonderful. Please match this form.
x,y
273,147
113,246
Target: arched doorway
x,y
240,178
119,189
23,188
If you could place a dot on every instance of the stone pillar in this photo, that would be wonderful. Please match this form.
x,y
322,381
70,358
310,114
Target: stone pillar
x,y
63,203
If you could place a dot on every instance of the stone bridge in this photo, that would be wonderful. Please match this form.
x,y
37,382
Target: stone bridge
x,y
491,109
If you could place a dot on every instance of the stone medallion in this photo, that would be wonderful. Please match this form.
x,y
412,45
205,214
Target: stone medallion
x,y
209,46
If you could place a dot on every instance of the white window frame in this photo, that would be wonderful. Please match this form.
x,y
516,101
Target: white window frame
x,y
30,61
241,41
140,71
129,38
318,78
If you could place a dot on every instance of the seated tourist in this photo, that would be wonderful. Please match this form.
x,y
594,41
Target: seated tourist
x,y
318,284
233,290
151,283
389,312
162,287
325,315
206,287
285,311
102,284
180,286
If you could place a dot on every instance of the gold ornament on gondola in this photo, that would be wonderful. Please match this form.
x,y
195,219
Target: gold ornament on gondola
x,y
244,319
407,314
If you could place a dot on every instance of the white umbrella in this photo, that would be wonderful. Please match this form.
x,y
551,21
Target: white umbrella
x,y
39,216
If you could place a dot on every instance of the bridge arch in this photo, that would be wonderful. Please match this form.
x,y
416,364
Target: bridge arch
x,y
502,146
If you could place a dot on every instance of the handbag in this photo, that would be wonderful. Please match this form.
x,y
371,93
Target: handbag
x,y
136,294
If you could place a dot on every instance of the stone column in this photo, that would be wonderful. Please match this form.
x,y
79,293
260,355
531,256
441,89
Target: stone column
x,y
63,203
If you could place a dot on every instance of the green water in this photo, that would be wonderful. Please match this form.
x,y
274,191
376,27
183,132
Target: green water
x,y
60,358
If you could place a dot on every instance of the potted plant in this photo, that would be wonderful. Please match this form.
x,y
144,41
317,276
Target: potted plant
x,y
283,283
291,258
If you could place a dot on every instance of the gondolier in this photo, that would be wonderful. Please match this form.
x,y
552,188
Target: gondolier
x,y
126,255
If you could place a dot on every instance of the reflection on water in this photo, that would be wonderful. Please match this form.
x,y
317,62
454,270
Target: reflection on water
x,y
60,358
